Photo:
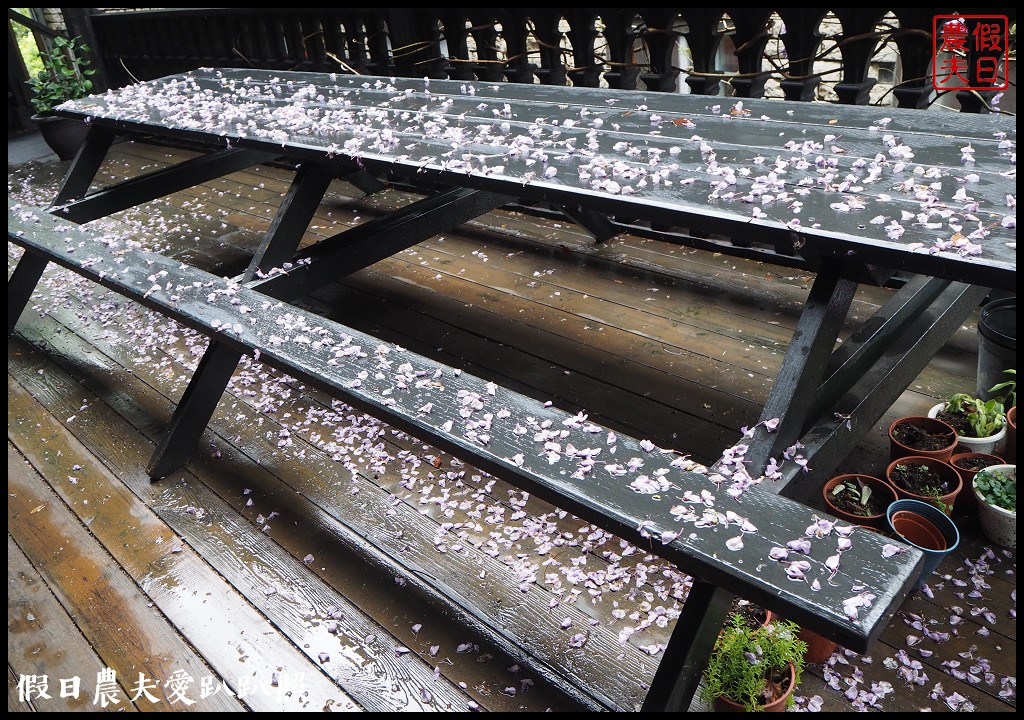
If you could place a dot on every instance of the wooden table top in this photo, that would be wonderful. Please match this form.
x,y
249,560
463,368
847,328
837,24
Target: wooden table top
x,y
928,192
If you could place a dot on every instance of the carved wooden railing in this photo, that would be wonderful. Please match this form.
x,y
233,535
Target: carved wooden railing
x,y
790,53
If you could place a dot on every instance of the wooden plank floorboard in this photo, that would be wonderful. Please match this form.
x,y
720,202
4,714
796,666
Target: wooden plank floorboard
x,y
282,589
43,640
373,509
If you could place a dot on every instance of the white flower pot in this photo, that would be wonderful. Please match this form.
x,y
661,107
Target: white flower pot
x,y
998,525
987,445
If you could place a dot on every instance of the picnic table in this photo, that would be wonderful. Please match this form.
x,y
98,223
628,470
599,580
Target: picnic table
x,y
857,194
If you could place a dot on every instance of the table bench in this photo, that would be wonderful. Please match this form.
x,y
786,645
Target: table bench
x,y
856,194
728,543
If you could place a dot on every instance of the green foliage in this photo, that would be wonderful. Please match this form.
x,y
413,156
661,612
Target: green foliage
x,y
858,494
1009,398
65,76
985,417
998,487
745,659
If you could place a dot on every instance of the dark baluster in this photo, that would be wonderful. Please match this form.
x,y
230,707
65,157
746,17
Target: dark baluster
x,y
457,66
380,61
914,40
415,43
704,40
489,67
585,71
545,23
857,46
801,39
750,39
620,36
519,69
660,37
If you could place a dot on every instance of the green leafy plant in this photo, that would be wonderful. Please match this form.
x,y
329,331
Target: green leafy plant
x,y
854,496
1008,398
974,417
750,666
65,75
998,488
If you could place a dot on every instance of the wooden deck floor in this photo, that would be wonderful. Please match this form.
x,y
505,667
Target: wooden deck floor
x,y
305,556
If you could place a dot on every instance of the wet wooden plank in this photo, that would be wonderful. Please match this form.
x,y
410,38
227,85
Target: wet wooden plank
x,y
409,540
43,641
127,632
224,627
302,607
229,487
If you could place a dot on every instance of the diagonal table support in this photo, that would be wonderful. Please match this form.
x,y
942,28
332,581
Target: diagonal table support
x,y
136,191
330,260
291,220
366,244
593,222
207,385
938,308
803,366
86,164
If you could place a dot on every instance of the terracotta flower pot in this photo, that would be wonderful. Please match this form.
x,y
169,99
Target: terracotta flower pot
x,y
950,478
965,501
917,530
879,488
819,647
724,704
932,427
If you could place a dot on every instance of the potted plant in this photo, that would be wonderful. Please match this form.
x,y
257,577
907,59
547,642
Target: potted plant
x,y
65,76
980,424
754,669
921,436
995,489
858,499
925,479
969,464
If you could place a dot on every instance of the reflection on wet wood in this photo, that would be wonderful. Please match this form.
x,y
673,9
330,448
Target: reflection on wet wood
x,y
43,640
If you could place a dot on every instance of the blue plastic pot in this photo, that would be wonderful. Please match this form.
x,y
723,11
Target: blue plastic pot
x,y
931,519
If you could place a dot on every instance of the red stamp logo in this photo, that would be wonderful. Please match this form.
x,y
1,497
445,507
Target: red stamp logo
x,y
971,52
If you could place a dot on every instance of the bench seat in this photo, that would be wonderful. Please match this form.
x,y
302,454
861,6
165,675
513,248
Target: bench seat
x,y
652,497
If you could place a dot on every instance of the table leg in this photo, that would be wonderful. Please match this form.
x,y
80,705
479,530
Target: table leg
x,y
684,658
21,284
803,366
194,410
200,399
85,166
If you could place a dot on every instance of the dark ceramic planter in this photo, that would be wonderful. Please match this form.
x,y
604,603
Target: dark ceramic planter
x,y
63,135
